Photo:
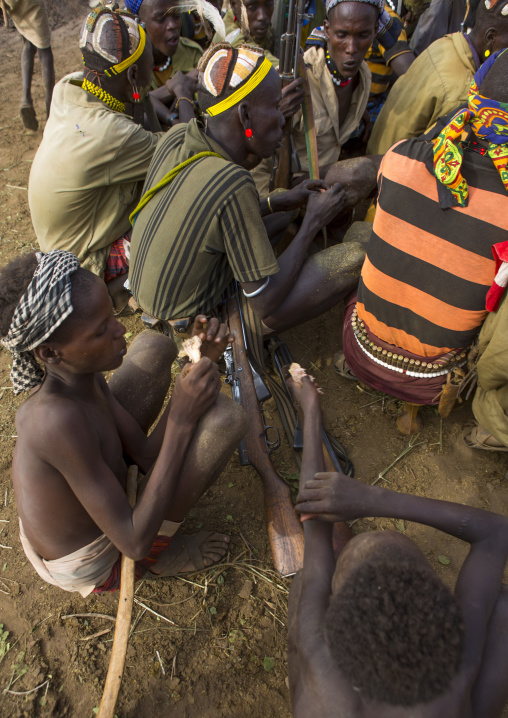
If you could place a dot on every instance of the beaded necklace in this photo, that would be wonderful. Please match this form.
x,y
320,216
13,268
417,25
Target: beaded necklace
x,y
108,99
337,78
161,68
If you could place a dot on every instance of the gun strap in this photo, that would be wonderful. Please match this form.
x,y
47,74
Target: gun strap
x,y
284,402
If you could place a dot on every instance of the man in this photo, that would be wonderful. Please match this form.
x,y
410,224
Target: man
x,y
429,266
171,52
199,223
438,81
376,633
250,21
75,433
339,82
30,17
86,176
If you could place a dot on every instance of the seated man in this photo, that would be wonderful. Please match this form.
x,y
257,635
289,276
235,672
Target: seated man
x,y
171,52
429,265
376,633
86,176
75,433
30,18
438,80
250,21
199,223
339,82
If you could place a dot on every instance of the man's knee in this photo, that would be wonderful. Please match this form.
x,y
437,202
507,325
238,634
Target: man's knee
x,y
227,421
153,351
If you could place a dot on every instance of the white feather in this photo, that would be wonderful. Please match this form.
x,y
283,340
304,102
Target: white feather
x,y
206,11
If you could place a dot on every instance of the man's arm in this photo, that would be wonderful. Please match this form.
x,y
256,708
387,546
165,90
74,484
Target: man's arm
x,y
80,461
321,209
335,497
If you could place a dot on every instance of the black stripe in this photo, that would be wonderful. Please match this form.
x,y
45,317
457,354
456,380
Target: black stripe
x,y
455,227
426,277
404,319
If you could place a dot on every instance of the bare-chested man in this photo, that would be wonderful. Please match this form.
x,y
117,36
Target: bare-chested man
x,y
376,634
76,433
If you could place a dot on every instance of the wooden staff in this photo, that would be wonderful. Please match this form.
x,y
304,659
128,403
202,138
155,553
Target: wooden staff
x,y
123,618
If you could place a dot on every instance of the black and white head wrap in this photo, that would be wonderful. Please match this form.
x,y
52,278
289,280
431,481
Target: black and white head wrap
x,y
378,4
41,309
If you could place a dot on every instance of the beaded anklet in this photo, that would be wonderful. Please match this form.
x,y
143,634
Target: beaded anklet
x,y
108,99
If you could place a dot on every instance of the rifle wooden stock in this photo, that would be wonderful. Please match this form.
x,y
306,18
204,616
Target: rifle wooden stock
x,y
284,528
284,154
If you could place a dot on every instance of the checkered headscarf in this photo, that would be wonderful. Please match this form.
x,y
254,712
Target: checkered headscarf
x,y
42,308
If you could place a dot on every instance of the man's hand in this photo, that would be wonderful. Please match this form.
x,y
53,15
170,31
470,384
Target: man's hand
x,y
299,195
306,396
195,391
333,497
292,98
325,206
183,84
214,336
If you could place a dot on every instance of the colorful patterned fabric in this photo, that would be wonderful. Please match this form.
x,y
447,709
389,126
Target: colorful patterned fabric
x,y
112,583
117,262
489,121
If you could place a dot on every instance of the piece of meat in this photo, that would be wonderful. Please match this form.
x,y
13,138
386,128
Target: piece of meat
x,y
297,373
191,348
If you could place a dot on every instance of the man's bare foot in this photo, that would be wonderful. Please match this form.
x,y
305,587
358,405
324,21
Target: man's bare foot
x,y
189,554
29,118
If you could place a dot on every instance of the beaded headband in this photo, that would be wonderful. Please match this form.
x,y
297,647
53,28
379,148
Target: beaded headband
x,y
254,80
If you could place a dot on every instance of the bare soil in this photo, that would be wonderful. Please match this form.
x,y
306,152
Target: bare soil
x,y
222,653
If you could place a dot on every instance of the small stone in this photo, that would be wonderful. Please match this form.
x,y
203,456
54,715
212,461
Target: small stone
x,y
246,589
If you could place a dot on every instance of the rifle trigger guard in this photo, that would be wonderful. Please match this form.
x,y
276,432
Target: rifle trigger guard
x,y
271,445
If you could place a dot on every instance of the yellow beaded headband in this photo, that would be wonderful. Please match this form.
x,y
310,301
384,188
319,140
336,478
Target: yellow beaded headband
x,y
256,78
117,69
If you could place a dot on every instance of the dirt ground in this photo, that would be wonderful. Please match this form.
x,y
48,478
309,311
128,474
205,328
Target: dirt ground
x,y
217,647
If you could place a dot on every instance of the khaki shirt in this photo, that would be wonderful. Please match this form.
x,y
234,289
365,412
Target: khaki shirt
x,y
436,83
185,59
87,174
330,135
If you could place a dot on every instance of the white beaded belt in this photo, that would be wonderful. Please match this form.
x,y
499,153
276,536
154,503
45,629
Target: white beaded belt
x,y
397,362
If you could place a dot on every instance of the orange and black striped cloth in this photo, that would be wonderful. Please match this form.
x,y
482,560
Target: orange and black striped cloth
x,y
428,270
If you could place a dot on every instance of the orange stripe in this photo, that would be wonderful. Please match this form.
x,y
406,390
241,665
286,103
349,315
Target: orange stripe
x,y
486,206
434,310
418,243
398,337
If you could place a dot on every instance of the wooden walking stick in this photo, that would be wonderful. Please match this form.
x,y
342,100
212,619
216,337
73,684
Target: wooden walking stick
x,y
123,618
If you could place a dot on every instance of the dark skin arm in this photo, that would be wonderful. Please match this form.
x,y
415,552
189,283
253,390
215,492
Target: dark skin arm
x,y
322,207
296,197
98,489
335,497
402,63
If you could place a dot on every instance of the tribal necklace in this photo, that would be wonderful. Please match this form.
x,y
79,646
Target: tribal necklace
x,y
161,68
108,99
337,78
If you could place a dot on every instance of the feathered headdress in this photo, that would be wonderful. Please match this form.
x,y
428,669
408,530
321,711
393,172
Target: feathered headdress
x,y
209,15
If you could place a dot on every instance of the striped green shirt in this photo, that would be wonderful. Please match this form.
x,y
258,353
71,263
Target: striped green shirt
x,y
198,232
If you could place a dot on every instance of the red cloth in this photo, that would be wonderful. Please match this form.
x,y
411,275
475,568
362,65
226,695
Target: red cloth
x,y
495,293
117,262
112,583
401,386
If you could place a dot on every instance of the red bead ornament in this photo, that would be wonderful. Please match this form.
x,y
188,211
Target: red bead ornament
x,y
248,133
135,96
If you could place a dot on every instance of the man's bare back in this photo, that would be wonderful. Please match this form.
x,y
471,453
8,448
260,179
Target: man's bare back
x,y
423,651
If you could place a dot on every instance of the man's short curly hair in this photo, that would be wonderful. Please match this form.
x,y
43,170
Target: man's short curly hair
x,y
395,632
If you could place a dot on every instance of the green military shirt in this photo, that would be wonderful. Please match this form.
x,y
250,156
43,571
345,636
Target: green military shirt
x,y
198,232
186,58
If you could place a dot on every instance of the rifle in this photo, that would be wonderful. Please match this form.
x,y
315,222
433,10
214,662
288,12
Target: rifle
x,y
248,389
291,66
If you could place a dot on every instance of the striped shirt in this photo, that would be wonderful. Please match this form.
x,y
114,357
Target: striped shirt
x,y
378,59
198,232
428,270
